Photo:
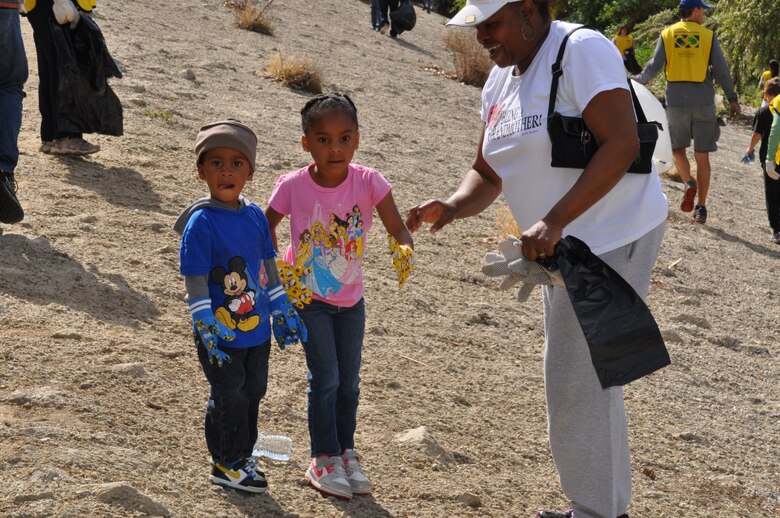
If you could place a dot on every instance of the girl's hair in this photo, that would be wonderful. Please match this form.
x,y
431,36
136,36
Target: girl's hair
x,y
327,103
624,27
774,68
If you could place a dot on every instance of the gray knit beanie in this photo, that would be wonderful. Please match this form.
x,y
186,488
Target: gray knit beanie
x,y
230,133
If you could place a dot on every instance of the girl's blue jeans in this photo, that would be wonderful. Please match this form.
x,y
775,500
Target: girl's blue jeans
x,y
333,355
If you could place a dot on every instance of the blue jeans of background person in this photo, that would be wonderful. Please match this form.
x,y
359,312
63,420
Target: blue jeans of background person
x,y
13,74
333,355
234,403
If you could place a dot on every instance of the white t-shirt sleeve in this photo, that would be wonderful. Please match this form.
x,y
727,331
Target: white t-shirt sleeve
x,y
591,64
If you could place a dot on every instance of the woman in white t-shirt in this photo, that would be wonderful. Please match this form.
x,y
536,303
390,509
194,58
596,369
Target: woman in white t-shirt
x,y
620,216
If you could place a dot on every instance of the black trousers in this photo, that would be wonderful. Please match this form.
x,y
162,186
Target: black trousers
x,y
772,193
47,70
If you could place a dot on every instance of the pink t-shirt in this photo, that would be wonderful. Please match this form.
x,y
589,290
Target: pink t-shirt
x,y
328,228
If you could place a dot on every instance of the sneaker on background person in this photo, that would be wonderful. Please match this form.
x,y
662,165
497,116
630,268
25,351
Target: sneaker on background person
x,y
357,479
326,473
73,146
688,196
565,514
10,208
242,477
700,214
776,237
46,147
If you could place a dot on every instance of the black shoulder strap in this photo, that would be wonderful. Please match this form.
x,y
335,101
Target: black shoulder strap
x,y
557,71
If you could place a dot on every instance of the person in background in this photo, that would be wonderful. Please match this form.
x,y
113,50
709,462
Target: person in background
x,y
625,44
384,8
426,5
690,55
772,167
40,12
620,216
330,203
13,74
766,75
762,126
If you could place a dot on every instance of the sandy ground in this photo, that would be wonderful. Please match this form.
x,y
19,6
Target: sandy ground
x,y
101,396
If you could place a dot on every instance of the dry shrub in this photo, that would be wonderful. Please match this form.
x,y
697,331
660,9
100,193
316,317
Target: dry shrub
x,y
250,17
295,72
472,63
506,223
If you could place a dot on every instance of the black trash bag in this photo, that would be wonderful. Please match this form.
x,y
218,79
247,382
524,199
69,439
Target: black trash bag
x,y
403,18
623,338
630,62
85,102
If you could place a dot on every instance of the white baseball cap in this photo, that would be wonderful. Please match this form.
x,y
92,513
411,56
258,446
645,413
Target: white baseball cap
x,y
477,11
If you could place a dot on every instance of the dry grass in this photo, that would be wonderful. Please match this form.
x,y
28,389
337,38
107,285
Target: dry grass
x,y
506,223
250,17
472,63
298,73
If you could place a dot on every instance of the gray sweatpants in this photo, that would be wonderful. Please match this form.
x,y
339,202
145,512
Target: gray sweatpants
x,y
587,424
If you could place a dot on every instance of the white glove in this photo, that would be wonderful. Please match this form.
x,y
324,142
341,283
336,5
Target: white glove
x,y
511,263
65,12
771,172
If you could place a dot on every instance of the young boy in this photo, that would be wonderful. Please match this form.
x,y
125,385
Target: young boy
x,y
225,240
762,125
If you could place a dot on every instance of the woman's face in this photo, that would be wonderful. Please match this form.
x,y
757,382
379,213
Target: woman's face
x,y
502,36
623,31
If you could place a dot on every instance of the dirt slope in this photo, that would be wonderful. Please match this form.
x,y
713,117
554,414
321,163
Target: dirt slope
x,y
101,397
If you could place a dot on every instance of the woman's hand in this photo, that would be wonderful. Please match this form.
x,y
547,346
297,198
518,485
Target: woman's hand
x,y
539,241
436,212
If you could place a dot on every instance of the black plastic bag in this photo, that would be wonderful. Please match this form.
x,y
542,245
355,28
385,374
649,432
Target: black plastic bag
x,y
630,62
623,338
85,102
404,17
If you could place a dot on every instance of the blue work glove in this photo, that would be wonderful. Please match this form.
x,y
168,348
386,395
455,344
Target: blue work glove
x,y
749,157
287,324
210,330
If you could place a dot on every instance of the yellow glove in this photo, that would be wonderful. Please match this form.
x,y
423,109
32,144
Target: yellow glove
x,y
403,259
296,290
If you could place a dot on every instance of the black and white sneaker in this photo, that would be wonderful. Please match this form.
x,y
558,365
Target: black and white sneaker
x,y
10,208
242,477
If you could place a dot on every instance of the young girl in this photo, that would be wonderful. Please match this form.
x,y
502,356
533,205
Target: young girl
x,y
332,189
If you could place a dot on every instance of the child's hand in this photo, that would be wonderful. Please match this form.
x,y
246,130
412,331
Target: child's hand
x,y
403,259
297,291
209,330
287,324
749,157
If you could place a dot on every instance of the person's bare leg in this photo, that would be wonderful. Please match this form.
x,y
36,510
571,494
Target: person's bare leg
x,y
702,176
681,163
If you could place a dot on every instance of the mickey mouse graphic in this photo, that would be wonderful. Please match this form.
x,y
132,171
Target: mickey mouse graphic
x,y
240,301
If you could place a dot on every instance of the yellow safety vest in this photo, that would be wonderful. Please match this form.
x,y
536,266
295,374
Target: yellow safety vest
x,y
623,43
687,46
84,5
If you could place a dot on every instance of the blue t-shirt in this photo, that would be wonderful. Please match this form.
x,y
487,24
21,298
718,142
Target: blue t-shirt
x,y
229,246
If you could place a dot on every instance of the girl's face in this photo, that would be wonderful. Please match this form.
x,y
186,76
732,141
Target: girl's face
x,y
225,170
332,141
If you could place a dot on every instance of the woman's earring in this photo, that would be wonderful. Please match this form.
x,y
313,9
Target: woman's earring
x,y
526,23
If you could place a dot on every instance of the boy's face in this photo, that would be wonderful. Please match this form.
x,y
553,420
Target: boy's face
x,y
332,142
225,170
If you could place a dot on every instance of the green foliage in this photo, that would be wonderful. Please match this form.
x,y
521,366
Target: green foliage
x,y
450,7
749,34
608,16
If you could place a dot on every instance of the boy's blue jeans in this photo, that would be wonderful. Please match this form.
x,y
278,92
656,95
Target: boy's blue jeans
x,y
333,355
13,74
234,403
